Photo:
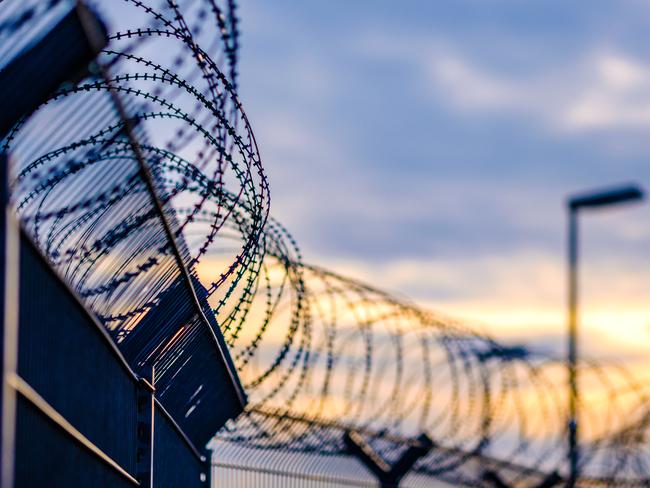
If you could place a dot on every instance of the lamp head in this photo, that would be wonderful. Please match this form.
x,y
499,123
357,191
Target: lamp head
x,y
602,198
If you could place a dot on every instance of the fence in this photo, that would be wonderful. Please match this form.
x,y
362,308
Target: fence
x,y
113,373
80,409
125,176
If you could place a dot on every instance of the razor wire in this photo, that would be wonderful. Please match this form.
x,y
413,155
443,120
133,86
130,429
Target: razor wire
x,y
319,354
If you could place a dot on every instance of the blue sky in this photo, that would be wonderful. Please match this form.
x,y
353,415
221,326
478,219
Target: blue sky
x,y
428,146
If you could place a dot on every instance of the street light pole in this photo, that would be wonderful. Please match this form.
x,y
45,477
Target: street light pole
x,y
619,195
572,346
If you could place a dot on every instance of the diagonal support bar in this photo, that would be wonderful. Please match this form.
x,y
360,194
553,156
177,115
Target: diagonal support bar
x,y
359,448
388,475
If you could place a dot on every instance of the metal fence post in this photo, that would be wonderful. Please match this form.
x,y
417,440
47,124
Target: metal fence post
x,y
145,426
9,249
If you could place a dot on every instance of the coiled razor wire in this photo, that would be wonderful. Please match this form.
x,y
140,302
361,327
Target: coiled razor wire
x,y
319,354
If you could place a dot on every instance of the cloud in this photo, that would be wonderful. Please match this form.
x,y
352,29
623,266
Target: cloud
x,y
618,95
399,150
599,89
520,296
603,90
471,88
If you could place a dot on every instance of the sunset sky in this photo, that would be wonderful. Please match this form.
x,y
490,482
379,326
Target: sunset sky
x,y
428,148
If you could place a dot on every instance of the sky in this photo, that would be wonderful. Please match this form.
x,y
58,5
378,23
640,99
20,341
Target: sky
x,y
429,147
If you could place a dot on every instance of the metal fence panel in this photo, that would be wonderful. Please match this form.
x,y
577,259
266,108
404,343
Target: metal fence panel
x,y
64,357
175,464
46,456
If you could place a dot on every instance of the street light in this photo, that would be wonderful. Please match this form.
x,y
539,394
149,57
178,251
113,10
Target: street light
x,y
601,198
